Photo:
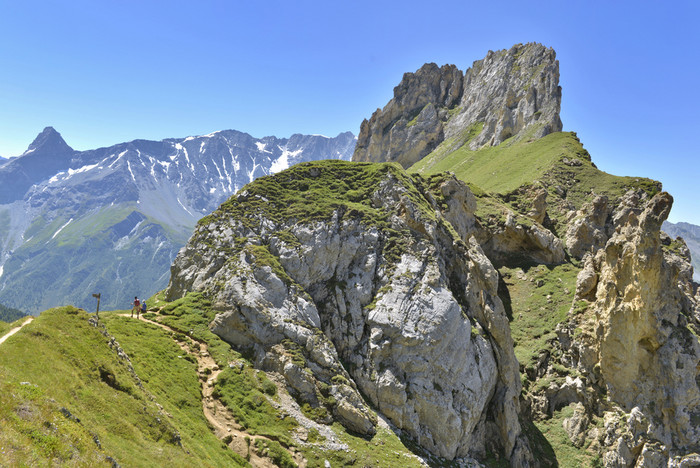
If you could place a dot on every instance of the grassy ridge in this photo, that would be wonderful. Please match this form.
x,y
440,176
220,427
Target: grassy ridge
x,y
502,169
316,190
167,373
501,175
67,360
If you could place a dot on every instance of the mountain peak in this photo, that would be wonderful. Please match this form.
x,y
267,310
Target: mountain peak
x,y
509,93
49,140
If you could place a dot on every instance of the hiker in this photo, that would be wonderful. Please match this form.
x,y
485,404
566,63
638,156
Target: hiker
x,y
136,306
143,307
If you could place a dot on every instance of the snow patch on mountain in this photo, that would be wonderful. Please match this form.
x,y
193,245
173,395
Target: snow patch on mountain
x,y
128,165
282,162
172,183
89,167
61,228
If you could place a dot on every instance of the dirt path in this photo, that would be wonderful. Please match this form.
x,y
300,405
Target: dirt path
x,y
220,418
15,330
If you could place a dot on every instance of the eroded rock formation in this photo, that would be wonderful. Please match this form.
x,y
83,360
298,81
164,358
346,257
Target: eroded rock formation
x,y
508,93
380,295
636,338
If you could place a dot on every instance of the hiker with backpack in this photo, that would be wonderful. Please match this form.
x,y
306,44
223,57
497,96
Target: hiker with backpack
x,y
136,306
143,307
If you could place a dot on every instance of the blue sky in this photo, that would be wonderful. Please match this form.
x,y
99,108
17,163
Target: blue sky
x,y
112,71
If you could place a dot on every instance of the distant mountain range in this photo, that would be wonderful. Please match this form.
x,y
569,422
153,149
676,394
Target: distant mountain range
x,y
110,220
691,235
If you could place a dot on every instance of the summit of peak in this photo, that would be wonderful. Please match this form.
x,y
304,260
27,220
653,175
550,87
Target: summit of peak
x,y
509,93
49,140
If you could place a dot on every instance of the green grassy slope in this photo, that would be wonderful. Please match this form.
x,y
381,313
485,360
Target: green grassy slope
x,y
502,169
67,398
558,162
61,361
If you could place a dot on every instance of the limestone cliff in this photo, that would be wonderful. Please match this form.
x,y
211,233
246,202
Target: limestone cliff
x,y
351,280
367,287
508,93
637,324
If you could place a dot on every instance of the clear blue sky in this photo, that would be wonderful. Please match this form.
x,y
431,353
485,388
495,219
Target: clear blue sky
x,y
112,71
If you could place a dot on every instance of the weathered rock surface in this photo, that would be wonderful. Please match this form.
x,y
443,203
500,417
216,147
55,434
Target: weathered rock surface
x,y
638,336
588,232
522,241
411,124
508,93
385,286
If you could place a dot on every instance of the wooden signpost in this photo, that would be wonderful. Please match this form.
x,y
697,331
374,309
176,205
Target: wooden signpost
x,y
97,312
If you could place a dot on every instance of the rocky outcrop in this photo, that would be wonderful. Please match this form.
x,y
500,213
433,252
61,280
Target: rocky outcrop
x,y
637,339
375,294
516,241
588,231
508,93
411,125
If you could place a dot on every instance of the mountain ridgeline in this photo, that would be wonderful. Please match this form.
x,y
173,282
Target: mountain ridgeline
x,y
469,291
691,235
437,295
505,94
110,220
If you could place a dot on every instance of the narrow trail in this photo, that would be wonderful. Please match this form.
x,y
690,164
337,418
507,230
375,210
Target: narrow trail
x,y
220,418
15,330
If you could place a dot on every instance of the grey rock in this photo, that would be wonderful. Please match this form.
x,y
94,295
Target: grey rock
x,y
423,334
587,232
509,93
577,425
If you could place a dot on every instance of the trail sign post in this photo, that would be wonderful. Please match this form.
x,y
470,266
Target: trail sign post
x,y
97,312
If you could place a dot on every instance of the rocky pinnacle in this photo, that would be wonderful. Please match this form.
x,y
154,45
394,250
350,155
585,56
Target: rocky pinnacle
x,y
509,93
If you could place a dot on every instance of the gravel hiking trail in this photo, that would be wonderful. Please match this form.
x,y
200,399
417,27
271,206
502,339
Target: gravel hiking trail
x,y
15,330
220,418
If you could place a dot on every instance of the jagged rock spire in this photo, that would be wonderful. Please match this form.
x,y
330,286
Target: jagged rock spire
x,y
508,93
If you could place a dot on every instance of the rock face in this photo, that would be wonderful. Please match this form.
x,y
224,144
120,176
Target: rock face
x,y
367,279
636,336
508,93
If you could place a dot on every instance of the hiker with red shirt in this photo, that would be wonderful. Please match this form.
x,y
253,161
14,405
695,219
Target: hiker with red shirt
x,y
136,306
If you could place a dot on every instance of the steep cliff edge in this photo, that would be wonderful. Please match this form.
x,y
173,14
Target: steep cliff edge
x,y
509,93
633,336
349,280
601,304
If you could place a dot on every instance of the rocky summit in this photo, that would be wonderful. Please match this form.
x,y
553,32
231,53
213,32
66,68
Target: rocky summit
x,y
359,269
509,93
